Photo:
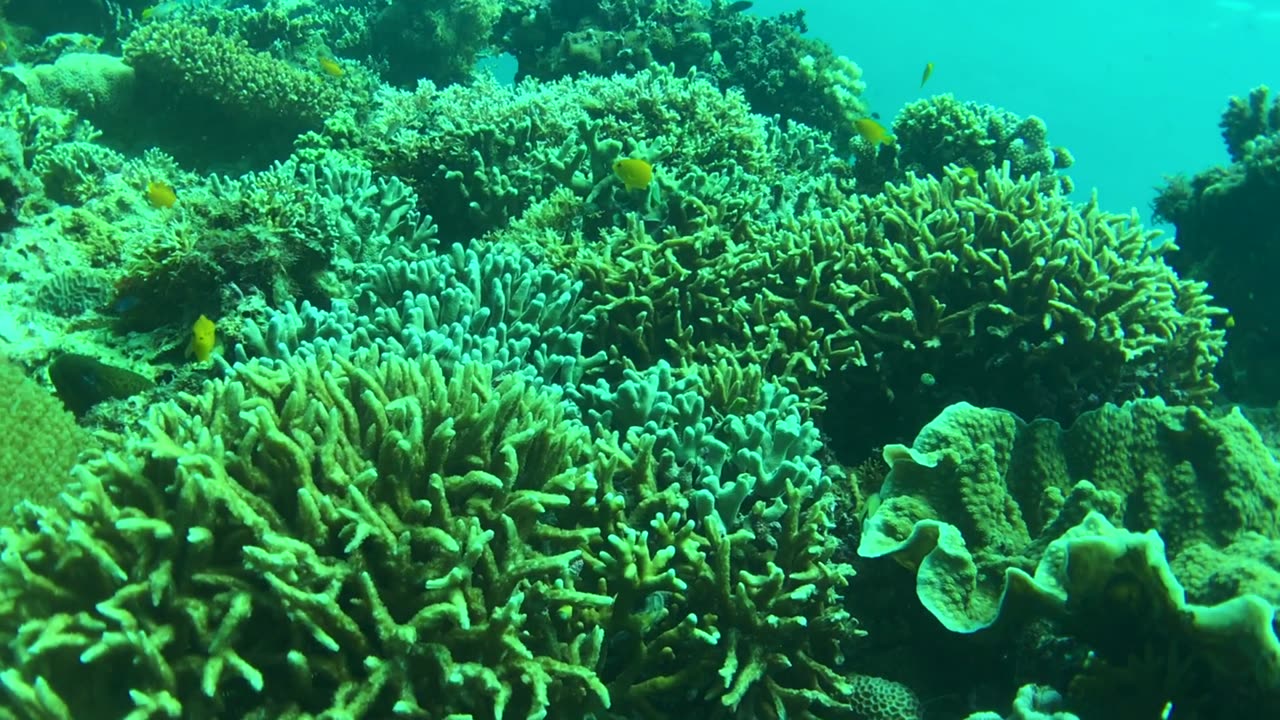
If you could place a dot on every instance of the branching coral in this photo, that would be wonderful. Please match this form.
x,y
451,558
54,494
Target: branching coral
x,y
361,537
903,301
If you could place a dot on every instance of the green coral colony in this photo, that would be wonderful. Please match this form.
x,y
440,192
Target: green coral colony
x,y
344,381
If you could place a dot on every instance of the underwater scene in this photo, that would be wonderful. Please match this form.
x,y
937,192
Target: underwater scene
x,y
636,360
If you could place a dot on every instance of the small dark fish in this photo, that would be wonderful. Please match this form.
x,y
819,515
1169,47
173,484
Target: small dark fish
x,y
875,115
125,303
82,381
740,6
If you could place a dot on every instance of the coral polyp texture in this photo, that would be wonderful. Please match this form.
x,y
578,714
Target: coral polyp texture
x,y
995,515
1228,233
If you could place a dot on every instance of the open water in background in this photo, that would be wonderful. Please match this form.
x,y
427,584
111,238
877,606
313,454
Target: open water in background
x,y
1133,88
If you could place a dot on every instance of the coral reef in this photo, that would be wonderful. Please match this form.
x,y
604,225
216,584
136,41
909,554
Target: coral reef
x,y
1228,234
370,534
484,423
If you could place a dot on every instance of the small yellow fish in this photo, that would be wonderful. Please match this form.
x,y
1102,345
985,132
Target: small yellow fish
x,y
203,338
969,172
636,174
928,70
1231,322
329,66
161,194
872,131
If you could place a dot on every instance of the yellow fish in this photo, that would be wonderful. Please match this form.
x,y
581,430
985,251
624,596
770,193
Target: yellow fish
x,y
202,339
969,172
872,131
928,70
329,66
161,194
636,174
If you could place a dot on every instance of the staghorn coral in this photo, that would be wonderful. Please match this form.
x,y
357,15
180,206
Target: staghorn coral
x,y
329,536
723,457
1228,234
899,303
486,303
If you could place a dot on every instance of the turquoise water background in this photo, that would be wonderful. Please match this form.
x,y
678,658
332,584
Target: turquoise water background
x,y
1133,88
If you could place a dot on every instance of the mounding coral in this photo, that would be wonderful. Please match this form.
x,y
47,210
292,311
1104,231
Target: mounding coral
x,y
993,514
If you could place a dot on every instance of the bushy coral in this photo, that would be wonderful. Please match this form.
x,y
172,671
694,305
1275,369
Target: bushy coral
x,y
216,96
483,153
438,40
932,133
40,442
901,302
486,304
